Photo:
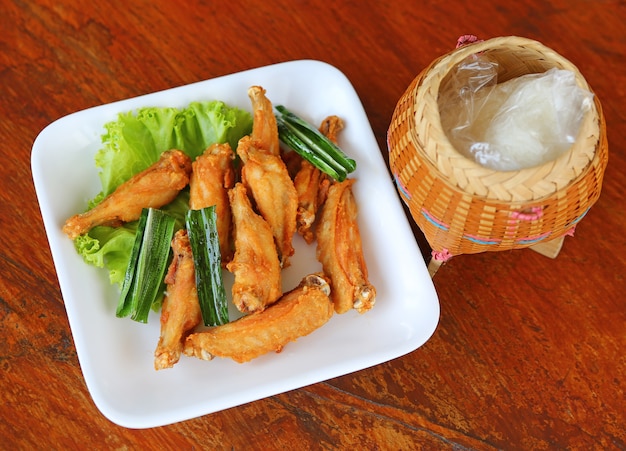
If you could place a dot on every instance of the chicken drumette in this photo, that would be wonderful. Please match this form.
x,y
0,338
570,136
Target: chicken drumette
x,y
264,128
312,184
297,313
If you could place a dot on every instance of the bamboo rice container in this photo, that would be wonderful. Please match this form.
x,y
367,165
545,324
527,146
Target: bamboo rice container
x,y
465,208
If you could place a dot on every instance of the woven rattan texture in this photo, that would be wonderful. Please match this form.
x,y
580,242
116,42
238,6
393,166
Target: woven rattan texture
x,y
463,207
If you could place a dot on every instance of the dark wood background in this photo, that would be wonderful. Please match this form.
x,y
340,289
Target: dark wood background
x,y
529,352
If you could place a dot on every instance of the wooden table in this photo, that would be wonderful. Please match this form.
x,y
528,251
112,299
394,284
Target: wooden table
x,y
529,352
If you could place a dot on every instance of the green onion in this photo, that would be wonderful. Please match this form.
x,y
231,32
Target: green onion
x,y
205,247
143,280
327,150
291,138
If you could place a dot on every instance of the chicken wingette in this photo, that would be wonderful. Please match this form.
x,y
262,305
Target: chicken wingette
x,y
180,312
212,176
297,313
154,187
340,250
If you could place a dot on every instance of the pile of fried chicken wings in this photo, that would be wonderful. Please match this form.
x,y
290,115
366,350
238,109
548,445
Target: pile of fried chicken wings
x,y
263,195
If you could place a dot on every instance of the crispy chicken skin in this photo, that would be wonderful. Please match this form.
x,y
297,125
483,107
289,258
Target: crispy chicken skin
x,y
264,128
275,197
312,184
154,187
298,313
255,263
339,249
212,176
180,312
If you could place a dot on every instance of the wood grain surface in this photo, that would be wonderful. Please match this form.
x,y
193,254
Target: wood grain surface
x,y
529,352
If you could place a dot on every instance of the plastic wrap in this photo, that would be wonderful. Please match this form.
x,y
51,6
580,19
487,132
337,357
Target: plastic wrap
x,y
519,123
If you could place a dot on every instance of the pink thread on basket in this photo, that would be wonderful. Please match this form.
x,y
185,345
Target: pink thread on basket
x,y
441,256
466,39
535,213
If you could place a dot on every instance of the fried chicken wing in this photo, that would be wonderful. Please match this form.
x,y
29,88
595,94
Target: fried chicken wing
x,y
309,183
292,160
255,263
339,249
154,187
264,128
180,312
266,177
298,313
212,176
312,184
331,126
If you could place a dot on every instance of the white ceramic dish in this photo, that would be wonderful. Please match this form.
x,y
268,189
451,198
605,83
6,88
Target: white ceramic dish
x,y
116,355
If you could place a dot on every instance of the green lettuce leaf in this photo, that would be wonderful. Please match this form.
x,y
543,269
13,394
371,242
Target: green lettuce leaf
x,y
108,247
135,141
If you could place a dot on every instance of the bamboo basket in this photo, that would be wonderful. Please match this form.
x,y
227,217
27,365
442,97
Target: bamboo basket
x,y
465,208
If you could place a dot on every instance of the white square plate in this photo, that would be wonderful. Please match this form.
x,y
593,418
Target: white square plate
x,y
116,355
